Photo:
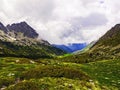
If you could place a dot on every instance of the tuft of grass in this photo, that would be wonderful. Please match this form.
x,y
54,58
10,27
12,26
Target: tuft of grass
x,y
48,83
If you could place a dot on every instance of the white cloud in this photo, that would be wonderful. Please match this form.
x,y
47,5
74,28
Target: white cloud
x,y
63,21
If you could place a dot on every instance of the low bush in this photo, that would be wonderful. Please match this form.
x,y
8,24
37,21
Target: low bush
x,y
6,81
48,83
27,85
54,71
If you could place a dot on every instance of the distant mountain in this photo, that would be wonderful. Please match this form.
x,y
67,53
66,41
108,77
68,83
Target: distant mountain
x,y
77,46
63,47
71,47
87,48
21,40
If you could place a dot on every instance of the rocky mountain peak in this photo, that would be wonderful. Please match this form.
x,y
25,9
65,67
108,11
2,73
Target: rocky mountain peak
x,y
20,34
112,32
3,28
24,28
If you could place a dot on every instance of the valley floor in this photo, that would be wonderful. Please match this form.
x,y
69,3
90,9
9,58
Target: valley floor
x,y
47,74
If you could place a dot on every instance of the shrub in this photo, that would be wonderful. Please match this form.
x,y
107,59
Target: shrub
x,y
6,81
54,71
26,85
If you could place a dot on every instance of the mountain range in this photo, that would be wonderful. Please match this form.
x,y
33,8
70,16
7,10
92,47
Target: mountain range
x,y
85,49
72,47
21,40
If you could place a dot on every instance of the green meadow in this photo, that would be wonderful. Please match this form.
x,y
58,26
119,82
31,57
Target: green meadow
x,y
54,74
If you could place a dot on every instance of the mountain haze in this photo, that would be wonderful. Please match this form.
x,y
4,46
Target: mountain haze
x,y
72,47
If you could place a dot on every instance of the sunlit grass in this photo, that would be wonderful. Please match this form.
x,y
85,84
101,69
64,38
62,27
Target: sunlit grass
x,y
107,72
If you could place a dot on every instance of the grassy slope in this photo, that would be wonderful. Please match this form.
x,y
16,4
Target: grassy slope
x,y
99,75
107,72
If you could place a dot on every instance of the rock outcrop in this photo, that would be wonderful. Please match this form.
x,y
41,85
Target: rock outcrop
x,y
24,28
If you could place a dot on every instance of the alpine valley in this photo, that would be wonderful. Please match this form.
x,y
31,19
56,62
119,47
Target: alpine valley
x,y
30,63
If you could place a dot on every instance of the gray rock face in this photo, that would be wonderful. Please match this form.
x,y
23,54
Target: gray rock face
x,y
24,28
20,34
3,28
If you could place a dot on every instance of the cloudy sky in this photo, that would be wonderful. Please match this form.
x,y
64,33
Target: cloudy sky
x,y
63,21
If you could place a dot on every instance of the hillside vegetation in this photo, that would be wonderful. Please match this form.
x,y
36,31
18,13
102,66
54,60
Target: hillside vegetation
x,y
33,51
